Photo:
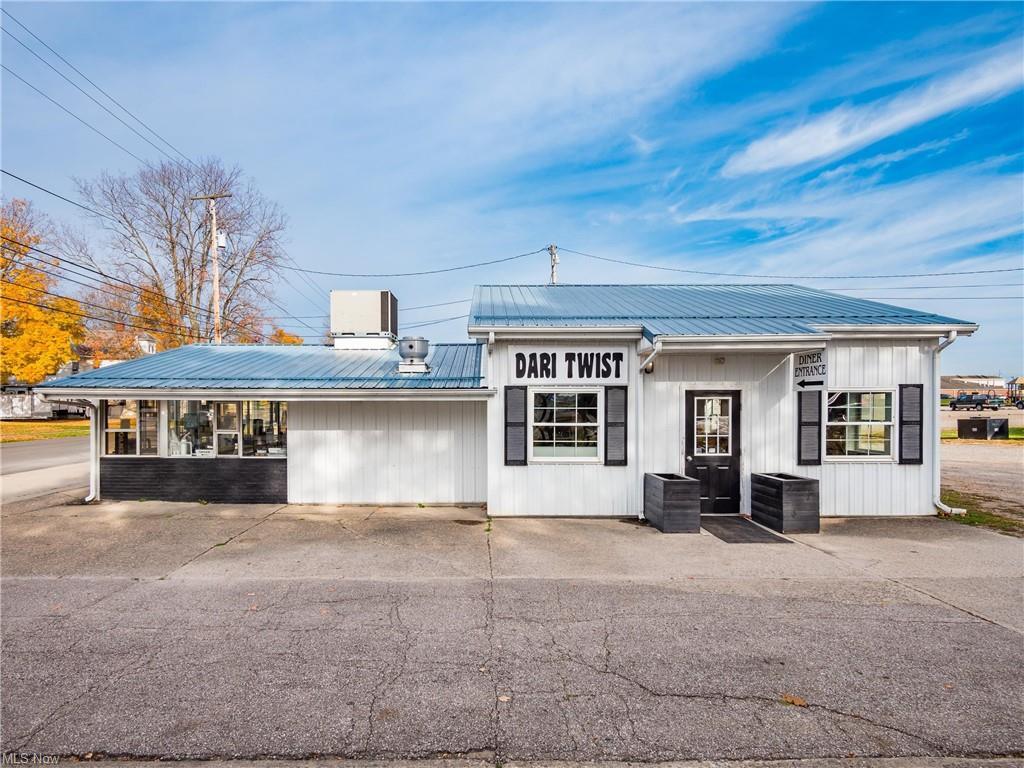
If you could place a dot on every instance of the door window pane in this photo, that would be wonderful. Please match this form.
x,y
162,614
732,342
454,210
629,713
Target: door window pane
x,y
122,414
149,425
227,417
120,443
711,426
227,443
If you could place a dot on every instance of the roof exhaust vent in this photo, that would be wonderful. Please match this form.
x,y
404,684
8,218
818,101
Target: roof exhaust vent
x,y
413,350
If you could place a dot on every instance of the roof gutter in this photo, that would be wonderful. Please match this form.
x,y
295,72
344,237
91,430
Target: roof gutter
x,y
504,332
175,393
937,430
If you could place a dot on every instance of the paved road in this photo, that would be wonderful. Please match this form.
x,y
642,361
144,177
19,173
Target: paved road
x,y
155,629
36,467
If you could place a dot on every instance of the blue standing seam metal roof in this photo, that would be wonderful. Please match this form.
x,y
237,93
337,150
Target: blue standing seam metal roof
x,y
250,366
686,310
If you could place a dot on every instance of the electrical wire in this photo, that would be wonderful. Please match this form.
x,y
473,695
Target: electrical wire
x,y
140,288
92,98
191,332
57,195
87,124
925,287
95,85
787,277
429,306
416,274
435,322
82,314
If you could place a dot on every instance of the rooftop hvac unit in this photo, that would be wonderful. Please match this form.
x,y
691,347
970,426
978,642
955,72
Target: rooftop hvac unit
x,y
364,319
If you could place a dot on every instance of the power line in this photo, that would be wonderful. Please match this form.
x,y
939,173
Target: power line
x,y
415,274
939,298
79,119
926,287
191,332
159,294
94,85
92,98
434,323
787,277
81,314
57,195
429,306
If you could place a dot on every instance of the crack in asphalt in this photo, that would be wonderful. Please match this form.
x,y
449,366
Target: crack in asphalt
x,y
748,698
222,543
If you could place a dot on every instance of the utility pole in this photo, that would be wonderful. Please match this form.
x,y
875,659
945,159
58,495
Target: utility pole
x,y
553,250
215,258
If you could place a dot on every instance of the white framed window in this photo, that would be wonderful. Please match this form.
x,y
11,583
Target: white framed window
x,y
712,426
227,428
565,425
130,427
264,428
859,424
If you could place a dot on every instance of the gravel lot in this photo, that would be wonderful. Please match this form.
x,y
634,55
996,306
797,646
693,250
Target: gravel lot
x,y
154,629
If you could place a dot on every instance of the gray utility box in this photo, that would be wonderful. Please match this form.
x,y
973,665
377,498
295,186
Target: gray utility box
x,y
672,502
785,503
983,429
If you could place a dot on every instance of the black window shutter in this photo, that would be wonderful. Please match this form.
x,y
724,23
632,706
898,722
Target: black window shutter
x,y
615,400
515,426
808,444
911,426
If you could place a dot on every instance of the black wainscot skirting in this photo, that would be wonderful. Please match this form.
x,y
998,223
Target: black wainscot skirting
x,y
220,480
672,502
785,503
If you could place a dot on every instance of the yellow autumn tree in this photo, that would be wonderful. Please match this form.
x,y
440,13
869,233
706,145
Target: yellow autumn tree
x,y
39,330
281,336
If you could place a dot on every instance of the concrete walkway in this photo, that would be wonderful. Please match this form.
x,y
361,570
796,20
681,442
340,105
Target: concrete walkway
x,y
211,631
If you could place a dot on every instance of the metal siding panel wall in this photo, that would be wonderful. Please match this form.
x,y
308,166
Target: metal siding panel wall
x,y
386,453
768,411
880,488
581,490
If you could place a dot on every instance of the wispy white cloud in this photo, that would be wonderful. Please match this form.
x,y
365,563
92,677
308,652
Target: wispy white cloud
x,y
644,147
846,129
888,158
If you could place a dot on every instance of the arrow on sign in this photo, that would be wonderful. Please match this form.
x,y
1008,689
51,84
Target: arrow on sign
x,y
806,383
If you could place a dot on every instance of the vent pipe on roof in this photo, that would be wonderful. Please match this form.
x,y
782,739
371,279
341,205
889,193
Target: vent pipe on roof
x,y
413,351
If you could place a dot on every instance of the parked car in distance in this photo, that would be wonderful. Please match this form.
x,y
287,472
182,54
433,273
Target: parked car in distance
x,y
975,402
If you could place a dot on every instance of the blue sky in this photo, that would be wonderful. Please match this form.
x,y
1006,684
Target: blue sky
x,y
771,138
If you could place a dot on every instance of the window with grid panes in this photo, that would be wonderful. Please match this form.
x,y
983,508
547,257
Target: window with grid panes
x,y
565,425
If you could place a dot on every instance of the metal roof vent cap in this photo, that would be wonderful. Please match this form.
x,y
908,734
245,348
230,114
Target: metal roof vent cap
x,y
413,351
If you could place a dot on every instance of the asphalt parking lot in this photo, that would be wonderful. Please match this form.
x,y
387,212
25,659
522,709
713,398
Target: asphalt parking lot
x,y
176,630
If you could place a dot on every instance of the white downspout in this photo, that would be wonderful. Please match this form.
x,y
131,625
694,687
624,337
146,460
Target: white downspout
x,y
937,430
94,470
650,358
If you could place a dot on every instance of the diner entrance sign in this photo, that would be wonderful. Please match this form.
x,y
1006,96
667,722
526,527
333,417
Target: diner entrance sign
x,y
568,365
810,370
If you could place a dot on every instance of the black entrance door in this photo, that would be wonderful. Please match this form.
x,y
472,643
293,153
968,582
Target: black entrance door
x,y
712,449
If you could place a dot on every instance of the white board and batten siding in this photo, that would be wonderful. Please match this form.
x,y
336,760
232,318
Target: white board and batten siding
x,y
364,452
559,489
848,487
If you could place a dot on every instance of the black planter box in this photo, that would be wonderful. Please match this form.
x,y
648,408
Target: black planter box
x,y
785,503
983,429
672,502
